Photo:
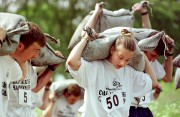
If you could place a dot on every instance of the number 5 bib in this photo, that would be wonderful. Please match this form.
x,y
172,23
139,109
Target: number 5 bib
x,y
24,97
112,102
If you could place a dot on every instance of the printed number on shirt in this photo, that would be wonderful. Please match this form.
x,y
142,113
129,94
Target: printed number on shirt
x,y
24,96
112,102
143,98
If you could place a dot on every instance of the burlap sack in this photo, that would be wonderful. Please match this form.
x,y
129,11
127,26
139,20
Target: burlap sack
x,y
46,57
99,48
16,25
108,19
177,78
176,61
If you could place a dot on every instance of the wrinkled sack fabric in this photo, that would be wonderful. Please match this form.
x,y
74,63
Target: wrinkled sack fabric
x,y
99,48
16,25
108,19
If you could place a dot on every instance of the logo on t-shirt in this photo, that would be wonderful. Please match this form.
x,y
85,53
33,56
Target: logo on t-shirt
x,y
116,83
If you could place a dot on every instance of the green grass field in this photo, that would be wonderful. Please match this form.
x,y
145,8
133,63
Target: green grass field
x,y
167,105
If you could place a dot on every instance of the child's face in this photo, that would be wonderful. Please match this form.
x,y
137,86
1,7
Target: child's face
x,y
29,53
120,57
71,98
151,55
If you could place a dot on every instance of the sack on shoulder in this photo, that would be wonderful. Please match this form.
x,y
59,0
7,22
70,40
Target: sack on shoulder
x,y
47,55
99,48
15,25
108,19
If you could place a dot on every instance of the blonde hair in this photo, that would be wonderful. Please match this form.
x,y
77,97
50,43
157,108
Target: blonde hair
x,y
126,39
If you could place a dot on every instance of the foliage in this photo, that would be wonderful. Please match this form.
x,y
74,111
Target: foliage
x,y
60,18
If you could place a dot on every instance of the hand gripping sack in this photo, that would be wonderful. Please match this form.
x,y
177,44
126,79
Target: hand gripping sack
x,y
47,54
108,19
99,48
15,25
151,42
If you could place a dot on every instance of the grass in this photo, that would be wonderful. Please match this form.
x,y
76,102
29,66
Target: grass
x,y
167,105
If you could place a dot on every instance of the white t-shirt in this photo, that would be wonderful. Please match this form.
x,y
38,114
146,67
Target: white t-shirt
x,y
20,101
36,102
108,90
146,99
63,109
9,71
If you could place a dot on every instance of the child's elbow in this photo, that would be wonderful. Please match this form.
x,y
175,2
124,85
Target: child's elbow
x,y
69,63
72,64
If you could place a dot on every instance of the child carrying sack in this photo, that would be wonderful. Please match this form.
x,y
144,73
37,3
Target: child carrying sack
x,y
15,25
100,47
108,19
59,87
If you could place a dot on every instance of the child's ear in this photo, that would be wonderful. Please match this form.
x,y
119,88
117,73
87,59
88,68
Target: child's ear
x,y
112,50
20,46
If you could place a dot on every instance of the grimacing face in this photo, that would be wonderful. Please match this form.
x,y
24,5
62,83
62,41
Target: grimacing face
x,y
31,52
151,55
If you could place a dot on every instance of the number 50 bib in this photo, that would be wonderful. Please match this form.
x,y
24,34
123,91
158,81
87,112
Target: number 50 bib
x,y
112,102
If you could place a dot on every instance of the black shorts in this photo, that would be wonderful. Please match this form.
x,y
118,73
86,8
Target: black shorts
x,y
140,112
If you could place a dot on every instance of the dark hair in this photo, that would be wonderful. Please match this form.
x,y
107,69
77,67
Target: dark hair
x,y
160,47
34,35
73,89
126,39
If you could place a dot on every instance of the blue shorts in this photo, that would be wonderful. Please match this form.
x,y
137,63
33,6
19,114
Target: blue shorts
x,y
140,112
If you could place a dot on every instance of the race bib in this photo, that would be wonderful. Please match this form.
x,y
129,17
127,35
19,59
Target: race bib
x,y
112,102
24,97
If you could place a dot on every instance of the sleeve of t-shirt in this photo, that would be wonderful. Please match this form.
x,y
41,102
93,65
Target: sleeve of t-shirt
x,y
83,73
158,70
16,72
142,83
